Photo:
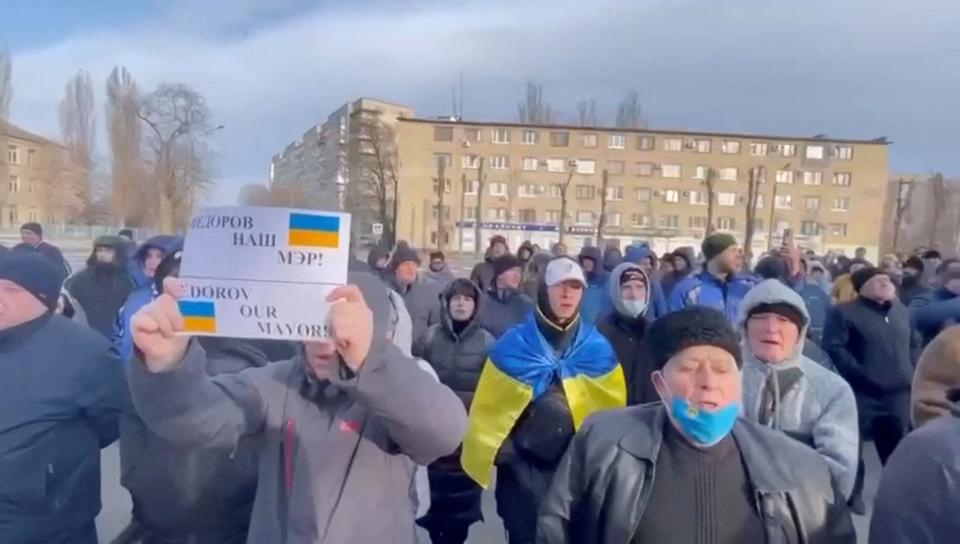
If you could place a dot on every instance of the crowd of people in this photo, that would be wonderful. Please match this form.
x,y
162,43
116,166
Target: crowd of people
x,y
611,396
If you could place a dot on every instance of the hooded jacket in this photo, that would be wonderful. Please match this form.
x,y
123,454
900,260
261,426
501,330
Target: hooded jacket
x,y
101,288
658,298
458,357
602,486
919,493
798,396
626,333
934,310
527,245
330,453
938,373
596,301
611,258
705,289
501,309
671,279
535,268
483,273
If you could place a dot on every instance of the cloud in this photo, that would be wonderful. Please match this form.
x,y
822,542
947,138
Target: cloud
x,y
272,70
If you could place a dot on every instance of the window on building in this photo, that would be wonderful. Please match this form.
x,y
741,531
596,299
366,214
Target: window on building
x,y
14,184
671,171
588,140
471,187
812,178
838,229
615,193
500,162
498,188
640,220
726,223
645,169
758,149
473,135
586,166
530,164
842,179
531,137
617,141
32,215
496,214
698,198
841,204
815,152
698,222
783,202
527,215
673,144
555,191
700,172
553,216
32,161
584,217
447,185
442,158
729,173
730,147
13,216
613,219
844,152
646,143
759,201
443,134
811,203
13,154
615,168
810,228
668,221
470,161
785,177
556,165
560,139
642,195
446,211
702,146
500,136
726,199
586,192
671,195
527,190
433,237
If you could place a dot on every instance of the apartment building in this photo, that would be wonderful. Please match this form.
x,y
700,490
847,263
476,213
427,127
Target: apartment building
x,y
319,160
29,167
831,192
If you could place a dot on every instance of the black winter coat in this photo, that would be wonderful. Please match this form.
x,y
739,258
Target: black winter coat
x,y
627,338
873,347
61,394
599,492
501,311
189,494
457,358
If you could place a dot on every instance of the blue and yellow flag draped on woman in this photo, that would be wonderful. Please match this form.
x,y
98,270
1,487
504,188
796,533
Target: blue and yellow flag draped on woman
x,y
520,369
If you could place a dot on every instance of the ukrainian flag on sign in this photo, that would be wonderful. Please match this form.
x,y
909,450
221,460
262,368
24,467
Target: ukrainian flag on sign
x,y
198,315
314,230
521,367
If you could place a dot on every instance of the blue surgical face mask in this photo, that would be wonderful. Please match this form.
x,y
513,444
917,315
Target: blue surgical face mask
x,y
635,308
704,427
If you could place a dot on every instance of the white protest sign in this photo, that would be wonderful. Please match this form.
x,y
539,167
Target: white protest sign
x,y
255,309
254,272
267,244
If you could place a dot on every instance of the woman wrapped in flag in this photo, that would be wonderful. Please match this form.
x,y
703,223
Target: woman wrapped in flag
x,y
542,379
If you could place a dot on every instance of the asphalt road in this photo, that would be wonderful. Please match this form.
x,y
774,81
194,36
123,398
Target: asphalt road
x,y
116,504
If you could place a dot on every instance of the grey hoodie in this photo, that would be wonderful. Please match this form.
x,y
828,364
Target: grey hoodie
x,y
815,405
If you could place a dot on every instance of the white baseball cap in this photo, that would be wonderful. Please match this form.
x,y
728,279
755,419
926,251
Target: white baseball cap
x,y
563,269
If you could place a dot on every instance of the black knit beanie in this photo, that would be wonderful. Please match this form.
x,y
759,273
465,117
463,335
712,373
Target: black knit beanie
x,y
716,244
862,276
35,273
780,308
505,262
915,263
34,228
403,254
691,326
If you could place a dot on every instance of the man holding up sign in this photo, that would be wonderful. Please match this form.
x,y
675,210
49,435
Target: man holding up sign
x,y
340,426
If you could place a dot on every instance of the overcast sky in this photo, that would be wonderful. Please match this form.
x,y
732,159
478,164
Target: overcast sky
x,y
272,68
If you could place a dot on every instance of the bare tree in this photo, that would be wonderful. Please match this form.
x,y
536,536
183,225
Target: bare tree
x,y
587,113
178,120
125,133
938,192
902,204
630,111
534,110
602,220
709,181
477,231
79,133
564,198
441,184
6,84
753,191
371,191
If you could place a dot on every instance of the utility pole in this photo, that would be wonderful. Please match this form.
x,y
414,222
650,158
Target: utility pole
x,y
708,181
477,248
753,190
564,192
903,202
602,222
463,207
441,189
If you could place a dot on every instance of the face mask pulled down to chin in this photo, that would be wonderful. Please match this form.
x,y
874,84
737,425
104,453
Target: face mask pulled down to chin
x,y
704,427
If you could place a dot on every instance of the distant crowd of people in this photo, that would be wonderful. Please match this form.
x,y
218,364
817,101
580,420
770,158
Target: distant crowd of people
x,y
621,397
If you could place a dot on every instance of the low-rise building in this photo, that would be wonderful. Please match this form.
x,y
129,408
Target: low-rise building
x,y
32,170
